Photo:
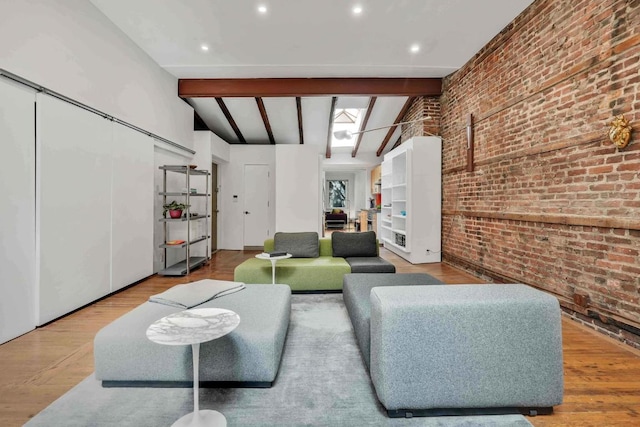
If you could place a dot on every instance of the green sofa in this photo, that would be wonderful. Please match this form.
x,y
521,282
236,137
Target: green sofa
x,y
322,273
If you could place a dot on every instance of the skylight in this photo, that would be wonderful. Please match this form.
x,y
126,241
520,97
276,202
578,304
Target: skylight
x,y
346,119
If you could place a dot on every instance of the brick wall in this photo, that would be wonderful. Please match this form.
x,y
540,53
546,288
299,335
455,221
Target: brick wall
x,y
422,106
550,203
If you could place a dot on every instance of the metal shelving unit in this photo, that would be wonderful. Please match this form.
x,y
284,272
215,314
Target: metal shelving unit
x,y
183,267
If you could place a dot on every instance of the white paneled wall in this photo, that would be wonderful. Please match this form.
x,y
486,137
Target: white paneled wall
x,y
17,216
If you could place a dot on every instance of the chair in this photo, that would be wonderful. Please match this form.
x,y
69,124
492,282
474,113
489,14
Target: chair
x,y
336,218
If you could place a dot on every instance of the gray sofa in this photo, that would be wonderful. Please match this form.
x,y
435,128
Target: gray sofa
x,y
248,356
356,289
361,251
458,349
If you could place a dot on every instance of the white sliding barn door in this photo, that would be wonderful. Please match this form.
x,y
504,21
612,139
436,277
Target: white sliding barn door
x,y
74,207
132,207
17,216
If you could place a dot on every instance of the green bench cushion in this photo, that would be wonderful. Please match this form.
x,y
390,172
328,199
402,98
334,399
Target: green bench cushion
x,y
302,274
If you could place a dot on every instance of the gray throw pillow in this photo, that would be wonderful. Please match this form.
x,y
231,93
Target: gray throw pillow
x,y
299,245
354,244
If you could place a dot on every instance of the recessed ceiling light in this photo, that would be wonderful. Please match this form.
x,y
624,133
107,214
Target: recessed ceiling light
x,y
262,9
415,48
204,47
357,10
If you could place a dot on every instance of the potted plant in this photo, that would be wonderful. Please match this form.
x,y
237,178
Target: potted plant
x,y
175,209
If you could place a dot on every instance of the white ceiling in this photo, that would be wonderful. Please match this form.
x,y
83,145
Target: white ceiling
x,y
303,38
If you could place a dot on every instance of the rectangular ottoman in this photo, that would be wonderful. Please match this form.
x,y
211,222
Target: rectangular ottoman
x,y
356,289
491,348
248,356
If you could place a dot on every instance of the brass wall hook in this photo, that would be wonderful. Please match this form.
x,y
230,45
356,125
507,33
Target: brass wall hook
x,y
620,131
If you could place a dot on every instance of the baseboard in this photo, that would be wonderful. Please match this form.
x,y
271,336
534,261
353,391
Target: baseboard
x,y
188,384
443,412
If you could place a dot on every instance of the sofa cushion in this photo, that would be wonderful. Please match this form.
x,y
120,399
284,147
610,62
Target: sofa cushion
x,y
299,245
354,244
324,273
356,290
465,346
370,264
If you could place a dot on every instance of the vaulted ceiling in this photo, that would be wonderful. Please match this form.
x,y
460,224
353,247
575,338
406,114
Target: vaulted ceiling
x,y
274,71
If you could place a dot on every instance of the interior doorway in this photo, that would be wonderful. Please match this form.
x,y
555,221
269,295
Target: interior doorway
x,y
256,205
214,207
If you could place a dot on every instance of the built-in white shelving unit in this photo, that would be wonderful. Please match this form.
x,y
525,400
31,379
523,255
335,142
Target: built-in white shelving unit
x,y
411,200
384,231
190,262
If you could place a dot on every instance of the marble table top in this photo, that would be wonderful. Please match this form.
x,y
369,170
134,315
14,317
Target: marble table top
x,y
193,326
267,257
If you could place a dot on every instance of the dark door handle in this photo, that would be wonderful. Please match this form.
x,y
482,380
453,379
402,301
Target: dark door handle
x,y
246,212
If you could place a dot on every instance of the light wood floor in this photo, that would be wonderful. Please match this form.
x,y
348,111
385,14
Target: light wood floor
x,y
602,376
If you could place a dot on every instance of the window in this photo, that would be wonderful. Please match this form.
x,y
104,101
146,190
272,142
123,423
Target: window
x,y
337,191
346,119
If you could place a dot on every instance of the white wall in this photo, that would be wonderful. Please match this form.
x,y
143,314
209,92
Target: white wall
x,y
220,149
232,183
297,176
70,47
343,160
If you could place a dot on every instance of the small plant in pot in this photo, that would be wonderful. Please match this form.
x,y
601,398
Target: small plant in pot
x,y
175,209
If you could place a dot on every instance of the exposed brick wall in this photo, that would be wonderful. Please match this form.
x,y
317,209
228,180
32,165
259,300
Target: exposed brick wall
x,y
551,204
422,106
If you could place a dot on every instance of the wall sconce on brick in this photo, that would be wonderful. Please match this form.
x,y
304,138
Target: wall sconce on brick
x,y
469,143
620,131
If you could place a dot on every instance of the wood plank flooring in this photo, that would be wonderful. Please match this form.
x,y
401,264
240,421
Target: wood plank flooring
x,y
602,376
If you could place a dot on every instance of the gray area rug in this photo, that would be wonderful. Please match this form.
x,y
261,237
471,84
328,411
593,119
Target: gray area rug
x,y
322,382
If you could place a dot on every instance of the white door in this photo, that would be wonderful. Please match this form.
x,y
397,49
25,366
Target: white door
x,y
256,205
17,216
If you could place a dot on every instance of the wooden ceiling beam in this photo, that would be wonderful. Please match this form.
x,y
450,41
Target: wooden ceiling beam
x,y
232,122
299,108
392,129
331,114
265,120
282,87
363,125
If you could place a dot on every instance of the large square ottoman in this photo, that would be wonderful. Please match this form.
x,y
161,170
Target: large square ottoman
x,y
248,356
488,348
356,288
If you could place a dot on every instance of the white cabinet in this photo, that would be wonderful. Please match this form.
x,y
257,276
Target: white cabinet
x,y
411,200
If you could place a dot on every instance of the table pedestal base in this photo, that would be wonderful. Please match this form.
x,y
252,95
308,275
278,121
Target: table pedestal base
x,y
204,418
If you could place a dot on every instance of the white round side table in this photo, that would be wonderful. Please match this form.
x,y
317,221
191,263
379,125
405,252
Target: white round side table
x,y
273,260
193,327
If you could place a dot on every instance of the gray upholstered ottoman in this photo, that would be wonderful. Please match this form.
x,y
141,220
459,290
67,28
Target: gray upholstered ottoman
x,y
491,348
249,356
355,292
